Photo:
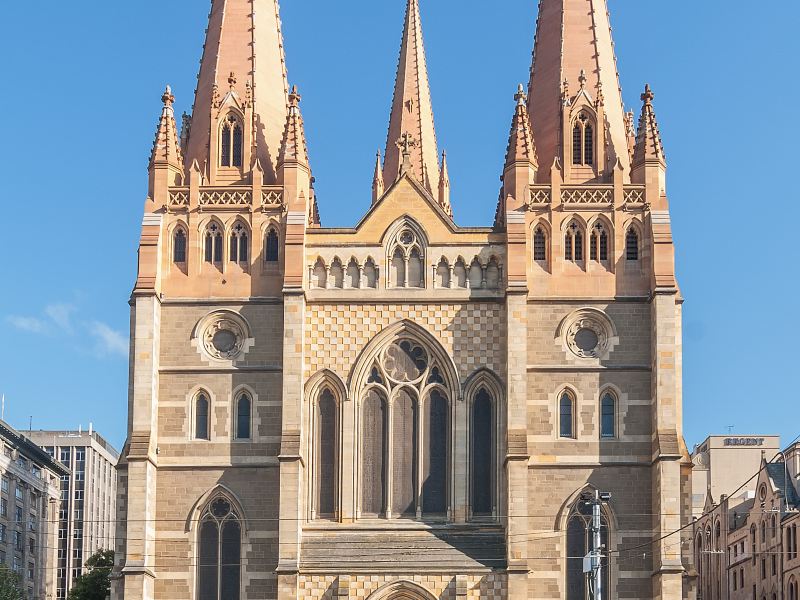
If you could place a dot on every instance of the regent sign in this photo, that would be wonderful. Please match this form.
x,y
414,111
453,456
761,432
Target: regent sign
x,y
744,441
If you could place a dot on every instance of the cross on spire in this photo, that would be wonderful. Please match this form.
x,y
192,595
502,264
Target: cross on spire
x,y
405,144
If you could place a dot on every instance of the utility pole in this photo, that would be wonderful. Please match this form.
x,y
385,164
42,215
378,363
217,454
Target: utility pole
x,y
593,562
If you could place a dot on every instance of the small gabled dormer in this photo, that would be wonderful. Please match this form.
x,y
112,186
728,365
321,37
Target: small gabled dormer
x,y
583,135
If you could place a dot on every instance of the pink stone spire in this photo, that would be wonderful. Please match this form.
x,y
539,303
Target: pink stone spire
x,y
166,149
520,141
648,139
243,50
412,110
574,36
293,146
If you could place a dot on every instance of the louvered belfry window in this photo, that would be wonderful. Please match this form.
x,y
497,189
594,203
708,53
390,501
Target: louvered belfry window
x,y
232,142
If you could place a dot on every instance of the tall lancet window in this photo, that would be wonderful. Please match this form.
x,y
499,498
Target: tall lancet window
x,y
583,141
179,246
240,244
232,142
220,552
327,455
271,246
579,542
632,245
573,242
599,243
482,478
213,244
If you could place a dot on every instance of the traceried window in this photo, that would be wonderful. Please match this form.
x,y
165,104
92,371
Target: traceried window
x,y
219,552
239,245
244,407
632,245
566,415
213,244
232,142
579,543
201,406
179,246
608,416
271,246
327,455
405,395
482,454
598,243
583,141
406,259
573,243
540,245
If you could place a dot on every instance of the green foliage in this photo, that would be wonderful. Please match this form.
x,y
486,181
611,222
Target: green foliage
x,y
95,583
10,585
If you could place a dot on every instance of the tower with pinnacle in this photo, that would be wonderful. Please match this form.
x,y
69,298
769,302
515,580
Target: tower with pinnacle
x,y
406,408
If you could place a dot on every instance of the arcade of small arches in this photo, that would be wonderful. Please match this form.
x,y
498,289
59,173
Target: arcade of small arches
x,y
215,252
597,245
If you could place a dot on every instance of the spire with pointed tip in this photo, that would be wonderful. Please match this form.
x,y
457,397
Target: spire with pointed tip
x,y
166,147
377,179
293,144
444,187
412,110
648,138
243,55
574,48
520,141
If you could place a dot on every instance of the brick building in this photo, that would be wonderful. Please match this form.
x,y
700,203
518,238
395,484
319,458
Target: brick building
x,y
406,408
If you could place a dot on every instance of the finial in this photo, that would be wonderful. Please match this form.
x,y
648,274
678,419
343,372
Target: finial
x,y
648,95
582,79
520,95
167,98
232,79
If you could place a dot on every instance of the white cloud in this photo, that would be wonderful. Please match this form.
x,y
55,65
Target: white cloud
x,y
109,341
61,315
31,324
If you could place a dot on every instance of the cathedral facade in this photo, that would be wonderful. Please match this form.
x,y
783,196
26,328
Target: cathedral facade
x,y
406,408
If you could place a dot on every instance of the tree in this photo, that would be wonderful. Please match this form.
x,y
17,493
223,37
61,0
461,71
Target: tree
x,y
95,583
10,588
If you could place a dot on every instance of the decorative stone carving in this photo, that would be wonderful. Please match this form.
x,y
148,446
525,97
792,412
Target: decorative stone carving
x,y
588,333
223,336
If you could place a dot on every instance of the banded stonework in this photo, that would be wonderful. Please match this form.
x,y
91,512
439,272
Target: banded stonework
x,y
406,408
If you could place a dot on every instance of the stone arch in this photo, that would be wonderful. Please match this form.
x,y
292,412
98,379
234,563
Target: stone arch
x,y
404,328
326,378
219,490
402,590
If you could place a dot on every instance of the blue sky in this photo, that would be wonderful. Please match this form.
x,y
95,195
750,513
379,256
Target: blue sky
x,y
81,95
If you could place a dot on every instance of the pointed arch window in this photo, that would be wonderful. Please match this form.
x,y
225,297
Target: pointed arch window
x,y
375,422
482,454
213,244
271,246
632,245
566,415
434,476
240,245
244,409
573,242
406,259
608,416
201,411
540,245
583,141
327,449
219,552
598,243
579,543
179,246
232,142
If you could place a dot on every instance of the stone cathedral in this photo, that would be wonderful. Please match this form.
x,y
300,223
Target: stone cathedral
x,y
406,408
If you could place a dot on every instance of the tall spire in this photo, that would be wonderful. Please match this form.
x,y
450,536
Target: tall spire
x,y
412,111
444,187
520,141
377,179
242,59
574,50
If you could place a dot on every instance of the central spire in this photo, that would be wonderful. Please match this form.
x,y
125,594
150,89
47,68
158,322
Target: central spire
x,y
243,63
412,110
574,62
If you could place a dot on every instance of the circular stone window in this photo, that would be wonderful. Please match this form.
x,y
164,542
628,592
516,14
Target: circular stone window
x,y
586,340
588,333
223,336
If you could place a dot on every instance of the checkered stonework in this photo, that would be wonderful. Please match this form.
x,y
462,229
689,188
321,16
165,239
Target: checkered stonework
x,y
488,587
472,333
